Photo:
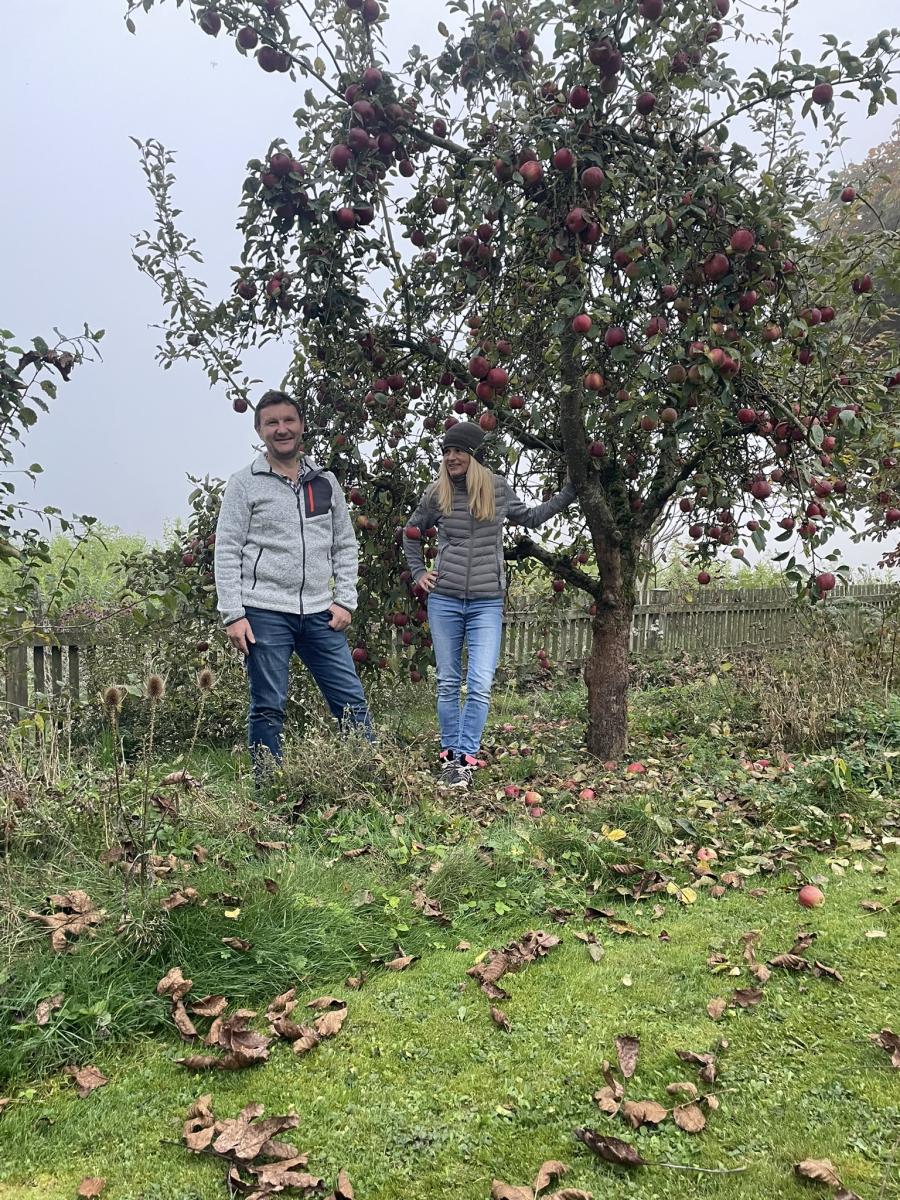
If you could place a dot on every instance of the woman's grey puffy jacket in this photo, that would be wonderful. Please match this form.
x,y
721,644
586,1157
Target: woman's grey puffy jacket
x,y
470,553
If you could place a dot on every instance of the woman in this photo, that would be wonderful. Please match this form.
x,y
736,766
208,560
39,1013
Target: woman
x,y
469,506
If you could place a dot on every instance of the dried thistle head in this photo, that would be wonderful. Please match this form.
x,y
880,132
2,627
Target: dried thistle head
x,y
112,699
156,687
205,680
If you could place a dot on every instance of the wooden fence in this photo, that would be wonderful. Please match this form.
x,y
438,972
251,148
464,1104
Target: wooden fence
x,y
670,621
47,663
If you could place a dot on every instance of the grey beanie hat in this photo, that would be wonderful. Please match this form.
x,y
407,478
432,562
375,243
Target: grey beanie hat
x,y
464,435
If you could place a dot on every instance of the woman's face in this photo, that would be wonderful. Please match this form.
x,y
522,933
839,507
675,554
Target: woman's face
x,y
457,462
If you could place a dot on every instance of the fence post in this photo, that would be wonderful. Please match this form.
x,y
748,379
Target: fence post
x,y
17,676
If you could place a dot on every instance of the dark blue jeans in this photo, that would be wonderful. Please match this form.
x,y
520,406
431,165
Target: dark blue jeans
x,y
323,650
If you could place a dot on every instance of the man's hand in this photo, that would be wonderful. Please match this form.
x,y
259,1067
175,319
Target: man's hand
x,y
427,581
241,635
340,617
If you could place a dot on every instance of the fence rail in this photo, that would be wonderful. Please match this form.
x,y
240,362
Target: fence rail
x,y
48,662
668,621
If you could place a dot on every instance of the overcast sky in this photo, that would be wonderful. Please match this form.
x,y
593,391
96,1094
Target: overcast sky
x,y
123,434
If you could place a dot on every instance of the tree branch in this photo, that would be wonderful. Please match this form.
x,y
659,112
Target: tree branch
x,y
525,548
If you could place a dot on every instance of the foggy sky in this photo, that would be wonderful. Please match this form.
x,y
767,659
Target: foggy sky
x,y
122,436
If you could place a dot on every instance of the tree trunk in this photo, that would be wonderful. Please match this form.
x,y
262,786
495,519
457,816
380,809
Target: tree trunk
x,y
606,670
606,676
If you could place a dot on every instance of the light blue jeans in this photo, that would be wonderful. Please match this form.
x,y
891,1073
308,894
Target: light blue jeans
x,y
478,624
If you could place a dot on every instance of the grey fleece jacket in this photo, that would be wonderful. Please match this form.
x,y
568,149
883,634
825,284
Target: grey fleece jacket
x,y
292,552
470,553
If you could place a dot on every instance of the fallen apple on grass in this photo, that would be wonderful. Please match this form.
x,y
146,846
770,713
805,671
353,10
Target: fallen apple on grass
x,y
810,896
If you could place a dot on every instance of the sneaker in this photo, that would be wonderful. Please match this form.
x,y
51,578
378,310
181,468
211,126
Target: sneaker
x,y
449,768
466,768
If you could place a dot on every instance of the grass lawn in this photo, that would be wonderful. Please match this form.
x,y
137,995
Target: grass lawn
x,y
421,1095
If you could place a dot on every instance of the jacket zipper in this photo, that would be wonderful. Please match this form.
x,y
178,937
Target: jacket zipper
x,y
255,566
471,550
287,483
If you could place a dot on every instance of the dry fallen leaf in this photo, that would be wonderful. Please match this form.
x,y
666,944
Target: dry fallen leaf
x,y
500,1018
282,1005
428,907
174,984
890,1042
183,1022
627,1048
87,1079
401,962
75,914
344,1188
90,1187
716,1007
820,1170
46,1007
179,779
689,1117
607,1099
323,1002
688,1088
571,1194
746,997
643,1112
199,1125
236,943
330,1022
243,1139
547,1172
706,1063
209,1006
506,1191
306,1041
610,1149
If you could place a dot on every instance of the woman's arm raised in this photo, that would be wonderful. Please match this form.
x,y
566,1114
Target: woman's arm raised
x,y
531,516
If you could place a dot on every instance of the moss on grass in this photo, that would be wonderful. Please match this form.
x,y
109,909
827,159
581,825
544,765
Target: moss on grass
x,y
420,1095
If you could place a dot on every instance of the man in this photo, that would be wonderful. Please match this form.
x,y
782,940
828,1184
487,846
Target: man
x,y
286,567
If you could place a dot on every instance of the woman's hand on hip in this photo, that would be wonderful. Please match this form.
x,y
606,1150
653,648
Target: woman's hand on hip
x,y
427,581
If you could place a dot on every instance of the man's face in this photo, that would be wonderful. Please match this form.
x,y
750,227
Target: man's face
x,y
457,462
281,428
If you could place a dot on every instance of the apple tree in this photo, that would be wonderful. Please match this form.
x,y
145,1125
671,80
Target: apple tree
x,y
28,382
550,227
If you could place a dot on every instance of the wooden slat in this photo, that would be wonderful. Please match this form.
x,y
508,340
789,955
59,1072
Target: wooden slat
x,y
56,672
74,673
38,661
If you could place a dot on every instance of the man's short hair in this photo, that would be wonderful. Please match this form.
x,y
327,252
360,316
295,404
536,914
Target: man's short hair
x,y
273,397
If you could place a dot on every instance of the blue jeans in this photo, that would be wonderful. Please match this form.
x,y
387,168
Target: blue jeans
x,y
323,650
478,624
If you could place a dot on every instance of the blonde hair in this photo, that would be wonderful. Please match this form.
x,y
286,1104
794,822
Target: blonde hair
x,y
479,486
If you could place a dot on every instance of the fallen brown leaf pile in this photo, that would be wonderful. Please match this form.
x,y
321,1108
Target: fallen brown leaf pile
x,y
793,960
74,914
687,1114
259,1165
243,1046
497,963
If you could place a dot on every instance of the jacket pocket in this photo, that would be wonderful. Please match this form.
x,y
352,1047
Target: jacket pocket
x,y
256,567
317,497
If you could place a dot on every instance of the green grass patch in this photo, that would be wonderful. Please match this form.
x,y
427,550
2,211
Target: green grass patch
x,y
420,1095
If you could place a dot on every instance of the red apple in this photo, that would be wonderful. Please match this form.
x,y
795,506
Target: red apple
x,y
742,241
582,323
810,896
614,336
822,93
564,159
579,97
592,178
645,103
